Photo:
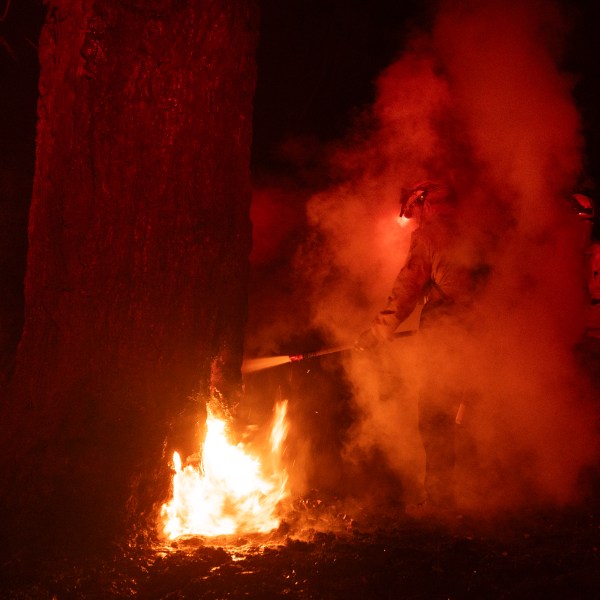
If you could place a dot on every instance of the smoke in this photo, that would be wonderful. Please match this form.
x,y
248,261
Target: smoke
x,y
480,100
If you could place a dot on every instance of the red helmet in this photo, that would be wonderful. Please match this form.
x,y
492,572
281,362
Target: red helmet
x,y
414,197
582,206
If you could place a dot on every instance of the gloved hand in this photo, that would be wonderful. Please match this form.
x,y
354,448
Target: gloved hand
x,y
366,340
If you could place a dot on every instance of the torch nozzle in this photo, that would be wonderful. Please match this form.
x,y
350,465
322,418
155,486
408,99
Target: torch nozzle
x,y
258,364
306,355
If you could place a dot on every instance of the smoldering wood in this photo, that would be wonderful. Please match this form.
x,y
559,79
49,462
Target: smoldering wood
x,y
139,236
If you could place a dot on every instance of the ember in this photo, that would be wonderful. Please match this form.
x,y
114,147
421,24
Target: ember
x,y
230,491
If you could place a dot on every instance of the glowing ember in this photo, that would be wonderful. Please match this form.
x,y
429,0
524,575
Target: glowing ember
x,y
229,491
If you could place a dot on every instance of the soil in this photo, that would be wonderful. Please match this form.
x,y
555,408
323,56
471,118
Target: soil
x,y
320,553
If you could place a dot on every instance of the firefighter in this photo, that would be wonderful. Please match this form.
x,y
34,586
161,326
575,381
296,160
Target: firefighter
x,y
440,273
584,207
588,349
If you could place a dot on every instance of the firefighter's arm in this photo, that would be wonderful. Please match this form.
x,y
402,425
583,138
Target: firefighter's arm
x,y
407,290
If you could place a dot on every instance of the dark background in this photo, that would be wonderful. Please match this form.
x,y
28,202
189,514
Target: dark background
x,y
317,61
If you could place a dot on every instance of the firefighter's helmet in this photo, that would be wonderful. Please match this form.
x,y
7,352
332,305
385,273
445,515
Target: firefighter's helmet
x,y
583,206
414,198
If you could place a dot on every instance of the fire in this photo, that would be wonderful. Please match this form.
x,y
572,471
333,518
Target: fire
x,y
229,492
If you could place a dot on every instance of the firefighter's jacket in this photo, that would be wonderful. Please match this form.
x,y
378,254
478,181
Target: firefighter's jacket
x,y
442,271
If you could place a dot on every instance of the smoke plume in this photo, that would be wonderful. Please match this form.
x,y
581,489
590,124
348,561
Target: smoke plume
x,y
480,100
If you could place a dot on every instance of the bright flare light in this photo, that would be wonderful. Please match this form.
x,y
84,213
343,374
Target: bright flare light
x,y
402,221
229,492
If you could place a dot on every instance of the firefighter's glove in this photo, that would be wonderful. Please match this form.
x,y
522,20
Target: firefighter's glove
x,y
366,340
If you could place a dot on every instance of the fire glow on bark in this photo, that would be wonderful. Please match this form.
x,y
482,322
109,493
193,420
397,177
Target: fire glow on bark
x,y
230,491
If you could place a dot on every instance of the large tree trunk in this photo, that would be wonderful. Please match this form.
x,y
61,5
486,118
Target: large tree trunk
x,y
139,237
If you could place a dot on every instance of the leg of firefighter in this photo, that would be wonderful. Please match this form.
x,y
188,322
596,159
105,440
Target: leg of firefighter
x,y
437,428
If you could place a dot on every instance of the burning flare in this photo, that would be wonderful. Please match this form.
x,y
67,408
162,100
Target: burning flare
x,y
228,492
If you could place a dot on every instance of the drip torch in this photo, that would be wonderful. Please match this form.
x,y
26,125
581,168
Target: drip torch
x,y
258,364
305,355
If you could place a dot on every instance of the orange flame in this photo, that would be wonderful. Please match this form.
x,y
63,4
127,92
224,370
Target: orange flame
x,y
229,493
279,430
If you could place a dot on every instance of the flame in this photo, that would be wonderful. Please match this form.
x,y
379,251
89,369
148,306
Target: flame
x,y
228,493
279,430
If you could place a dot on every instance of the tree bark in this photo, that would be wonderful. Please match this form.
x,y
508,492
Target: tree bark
x,y
139,238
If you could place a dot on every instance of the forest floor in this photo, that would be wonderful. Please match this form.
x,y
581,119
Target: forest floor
x,y
324,554
325,551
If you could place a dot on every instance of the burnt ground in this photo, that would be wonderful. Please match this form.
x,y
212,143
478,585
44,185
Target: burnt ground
x,y
323,554
329,548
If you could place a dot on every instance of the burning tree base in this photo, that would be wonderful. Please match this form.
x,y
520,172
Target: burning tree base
x,y
299,519
227,490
